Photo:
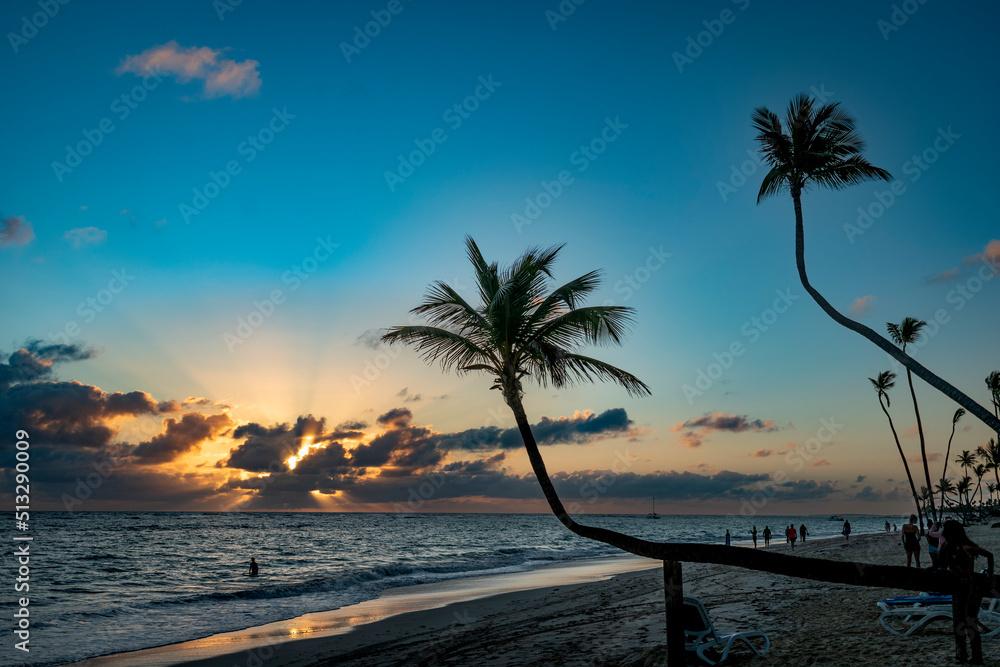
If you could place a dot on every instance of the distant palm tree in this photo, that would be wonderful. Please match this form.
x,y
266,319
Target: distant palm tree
x,y
980,469
991,453
904,333
966,459
993,384
821,147
944,488
954,422
885,381
963,487
520,330
992,488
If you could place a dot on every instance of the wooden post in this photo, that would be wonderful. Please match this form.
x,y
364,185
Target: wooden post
x,y
673,592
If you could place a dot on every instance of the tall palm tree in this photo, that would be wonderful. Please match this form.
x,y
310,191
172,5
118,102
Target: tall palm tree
x,y
963,487
959,413
980,470
993,384
966,459
885,381
821,147
904,333
521,330
992,488
991,454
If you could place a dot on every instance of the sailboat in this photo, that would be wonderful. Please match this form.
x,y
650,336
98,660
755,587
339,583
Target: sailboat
x,y
653,514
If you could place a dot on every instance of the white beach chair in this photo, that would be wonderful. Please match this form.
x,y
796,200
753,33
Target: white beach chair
x,y
700,635
904,616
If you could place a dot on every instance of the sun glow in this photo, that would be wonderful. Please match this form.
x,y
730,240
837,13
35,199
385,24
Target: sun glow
x,y
307,444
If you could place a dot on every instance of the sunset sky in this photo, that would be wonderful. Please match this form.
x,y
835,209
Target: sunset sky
x,y
210,209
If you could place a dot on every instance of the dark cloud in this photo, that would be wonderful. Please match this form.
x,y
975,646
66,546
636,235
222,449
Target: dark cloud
x,y
267,448
693,431
868,494
181,436
579,429
370,338
15,230
34,361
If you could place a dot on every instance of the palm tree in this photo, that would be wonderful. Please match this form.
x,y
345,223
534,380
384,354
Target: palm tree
x,y
954,422
908,331
963,487
991,454
822,148
944,488
521,331
885,381
993,384
980,470
992,488
966,459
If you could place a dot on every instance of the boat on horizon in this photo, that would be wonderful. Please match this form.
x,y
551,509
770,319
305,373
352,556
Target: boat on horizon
x,y
653,514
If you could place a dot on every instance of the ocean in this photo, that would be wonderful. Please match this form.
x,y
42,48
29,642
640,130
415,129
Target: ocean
x,y
105,582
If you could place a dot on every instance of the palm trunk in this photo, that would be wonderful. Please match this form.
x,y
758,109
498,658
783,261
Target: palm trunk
x,y
906,466
944,473
911,364
923,444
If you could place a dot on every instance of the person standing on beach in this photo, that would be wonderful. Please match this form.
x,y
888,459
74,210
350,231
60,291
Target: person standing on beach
x,y
887,526
911,540
959,555
803,532
753,534
788,536
767,536
727,537
935,543
792,536
847,529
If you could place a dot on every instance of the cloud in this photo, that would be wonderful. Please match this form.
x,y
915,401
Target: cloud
x,y
220,76
181,436
407,396
85,236
268,448
821,462
990,254
693,431
34,361
581,428
369,338
861,478
761,453
863,304
15,230
946,276
910,432
868,494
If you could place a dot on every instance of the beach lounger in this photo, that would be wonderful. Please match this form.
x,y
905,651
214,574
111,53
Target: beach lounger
x,y
907,615
700,635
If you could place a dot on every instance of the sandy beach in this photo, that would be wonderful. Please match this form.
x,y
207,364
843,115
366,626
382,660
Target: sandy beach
x,y
616,621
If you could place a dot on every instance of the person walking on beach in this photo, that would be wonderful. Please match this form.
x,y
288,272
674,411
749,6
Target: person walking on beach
x,y
935,537
887,526
727,537
767,536
753,534
847,530
803,532
911,540
253,567
792,536
959,555
788,536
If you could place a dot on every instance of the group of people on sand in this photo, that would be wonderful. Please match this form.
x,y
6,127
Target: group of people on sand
x,y
791,535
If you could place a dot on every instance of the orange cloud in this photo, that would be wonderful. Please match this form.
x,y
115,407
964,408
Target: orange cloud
x,y
863,304
221,76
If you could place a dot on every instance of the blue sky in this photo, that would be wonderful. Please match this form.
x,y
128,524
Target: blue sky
x,y
660,192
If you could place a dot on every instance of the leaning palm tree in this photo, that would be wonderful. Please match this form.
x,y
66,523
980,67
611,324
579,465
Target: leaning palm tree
x,y
904,333
885,381
520,330
821,147
993,384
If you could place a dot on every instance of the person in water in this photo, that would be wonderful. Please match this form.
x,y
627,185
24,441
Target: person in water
x,y
753,533
253,567
727,538
846,532
958,553
767,536
911,541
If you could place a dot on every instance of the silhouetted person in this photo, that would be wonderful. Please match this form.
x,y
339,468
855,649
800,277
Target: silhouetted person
x,y
911,540
753,534
847,530
792,535
727,538
959,555
253,567
767,536
802,533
